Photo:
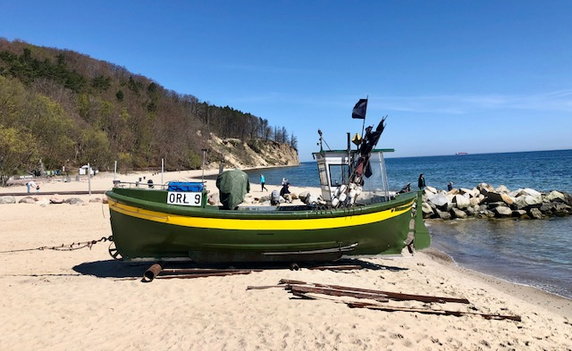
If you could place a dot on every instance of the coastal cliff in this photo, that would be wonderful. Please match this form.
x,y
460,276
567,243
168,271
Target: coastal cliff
x,y
236,153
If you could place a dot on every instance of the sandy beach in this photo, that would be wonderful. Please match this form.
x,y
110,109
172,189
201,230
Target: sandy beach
x,y
55,300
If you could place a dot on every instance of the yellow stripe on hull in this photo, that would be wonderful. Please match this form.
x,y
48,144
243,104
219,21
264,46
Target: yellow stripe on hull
x,y
258,224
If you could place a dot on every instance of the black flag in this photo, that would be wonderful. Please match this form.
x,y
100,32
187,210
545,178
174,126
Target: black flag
x,y
359,109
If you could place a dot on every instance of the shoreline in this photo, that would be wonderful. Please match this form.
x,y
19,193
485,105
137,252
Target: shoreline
x,y
512,287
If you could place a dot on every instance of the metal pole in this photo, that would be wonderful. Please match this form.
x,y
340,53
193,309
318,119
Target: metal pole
x,y
162,169
89,178
115,171
203,165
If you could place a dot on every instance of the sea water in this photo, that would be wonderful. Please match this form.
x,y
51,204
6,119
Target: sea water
x,y
533,252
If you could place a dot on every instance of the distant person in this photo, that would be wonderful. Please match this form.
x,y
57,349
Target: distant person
x,y
405,189
285,192
421,181
262,182
284,181
150,183
450,186
32,185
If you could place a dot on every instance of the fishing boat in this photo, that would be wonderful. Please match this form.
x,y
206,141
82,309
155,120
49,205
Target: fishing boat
x,y
356,214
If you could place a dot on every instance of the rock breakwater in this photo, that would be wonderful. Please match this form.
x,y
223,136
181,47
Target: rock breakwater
x,y
486,201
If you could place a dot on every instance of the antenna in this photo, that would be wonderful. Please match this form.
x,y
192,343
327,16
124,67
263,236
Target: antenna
x,y
322,140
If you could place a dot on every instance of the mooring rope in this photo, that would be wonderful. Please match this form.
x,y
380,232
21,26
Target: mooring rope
x,y
63,247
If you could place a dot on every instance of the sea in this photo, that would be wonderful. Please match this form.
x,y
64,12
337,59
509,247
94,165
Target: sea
x,y
531,252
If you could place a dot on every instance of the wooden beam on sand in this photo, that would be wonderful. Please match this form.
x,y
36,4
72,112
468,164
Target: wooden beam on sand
x,y
387,294
156,271
386,308
303,289
337,267
202,275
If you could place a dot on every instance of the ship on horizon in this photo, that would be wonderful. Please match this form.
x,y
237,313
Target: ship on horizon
x,y
461,153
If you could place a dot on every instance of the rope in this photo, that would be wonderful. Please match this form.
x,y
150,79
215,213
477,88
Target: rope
x,y
62,247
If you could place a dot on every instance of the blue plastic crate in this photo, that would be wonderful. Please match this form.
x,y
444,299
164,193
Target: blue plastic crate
x,y
194,187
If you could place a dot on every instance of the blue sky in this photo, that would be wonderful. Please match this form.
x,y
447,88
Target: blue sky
x,y
473,76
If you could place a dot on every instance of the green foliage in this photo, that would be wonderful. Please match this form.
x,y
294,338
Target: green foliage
x,y
17,152
94,148
125,161
27,69
195,160
71,109
101,83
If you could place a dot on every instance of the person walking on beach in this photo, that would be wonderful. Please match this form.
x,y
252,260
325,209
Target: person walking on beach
x,y
285,192
450,186
262,182
32,185
421,181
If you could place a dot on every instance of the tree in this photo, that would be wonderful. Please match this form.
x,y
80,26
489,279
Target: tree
x,y
17,152
293,141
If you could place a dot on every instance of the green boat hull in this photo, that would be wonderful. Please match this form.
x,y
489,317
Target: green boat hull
x,y
146,228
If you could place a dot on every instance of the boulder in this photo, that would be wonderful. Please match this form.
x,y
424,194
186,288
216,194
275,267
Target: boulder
x,y
74,201
443,214
519,213
313,199
302,196
561,209
457,213
461,201
568,199
507,199
104,201
440,201
494,205
547,208
502,189
535,213
524,201
515,193
27,200
502,211
453,192
56,199
95,199
427,210
429,190
475,201
484,188
469,192
555,196
294,196
7,200
472,210
489,214
493,196
529,192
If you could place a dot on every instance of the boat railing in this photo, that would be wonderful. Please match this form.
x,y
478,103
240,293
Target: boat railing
x,y
141,185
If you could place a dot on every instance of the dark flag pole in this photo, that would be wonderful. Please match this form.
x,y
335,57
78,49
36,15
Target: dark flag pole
x,y
359,112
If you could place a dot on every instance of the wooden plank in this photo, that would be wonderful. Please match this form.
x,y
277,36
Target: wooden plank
x,y
388,294
430,311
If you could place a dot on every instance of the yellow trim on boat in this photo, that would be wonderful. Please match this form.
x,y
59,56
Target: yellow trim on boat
x,y
258,224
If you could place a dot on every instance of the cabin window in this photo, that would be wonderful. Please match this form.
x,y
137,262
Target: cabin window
x,y
339,174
